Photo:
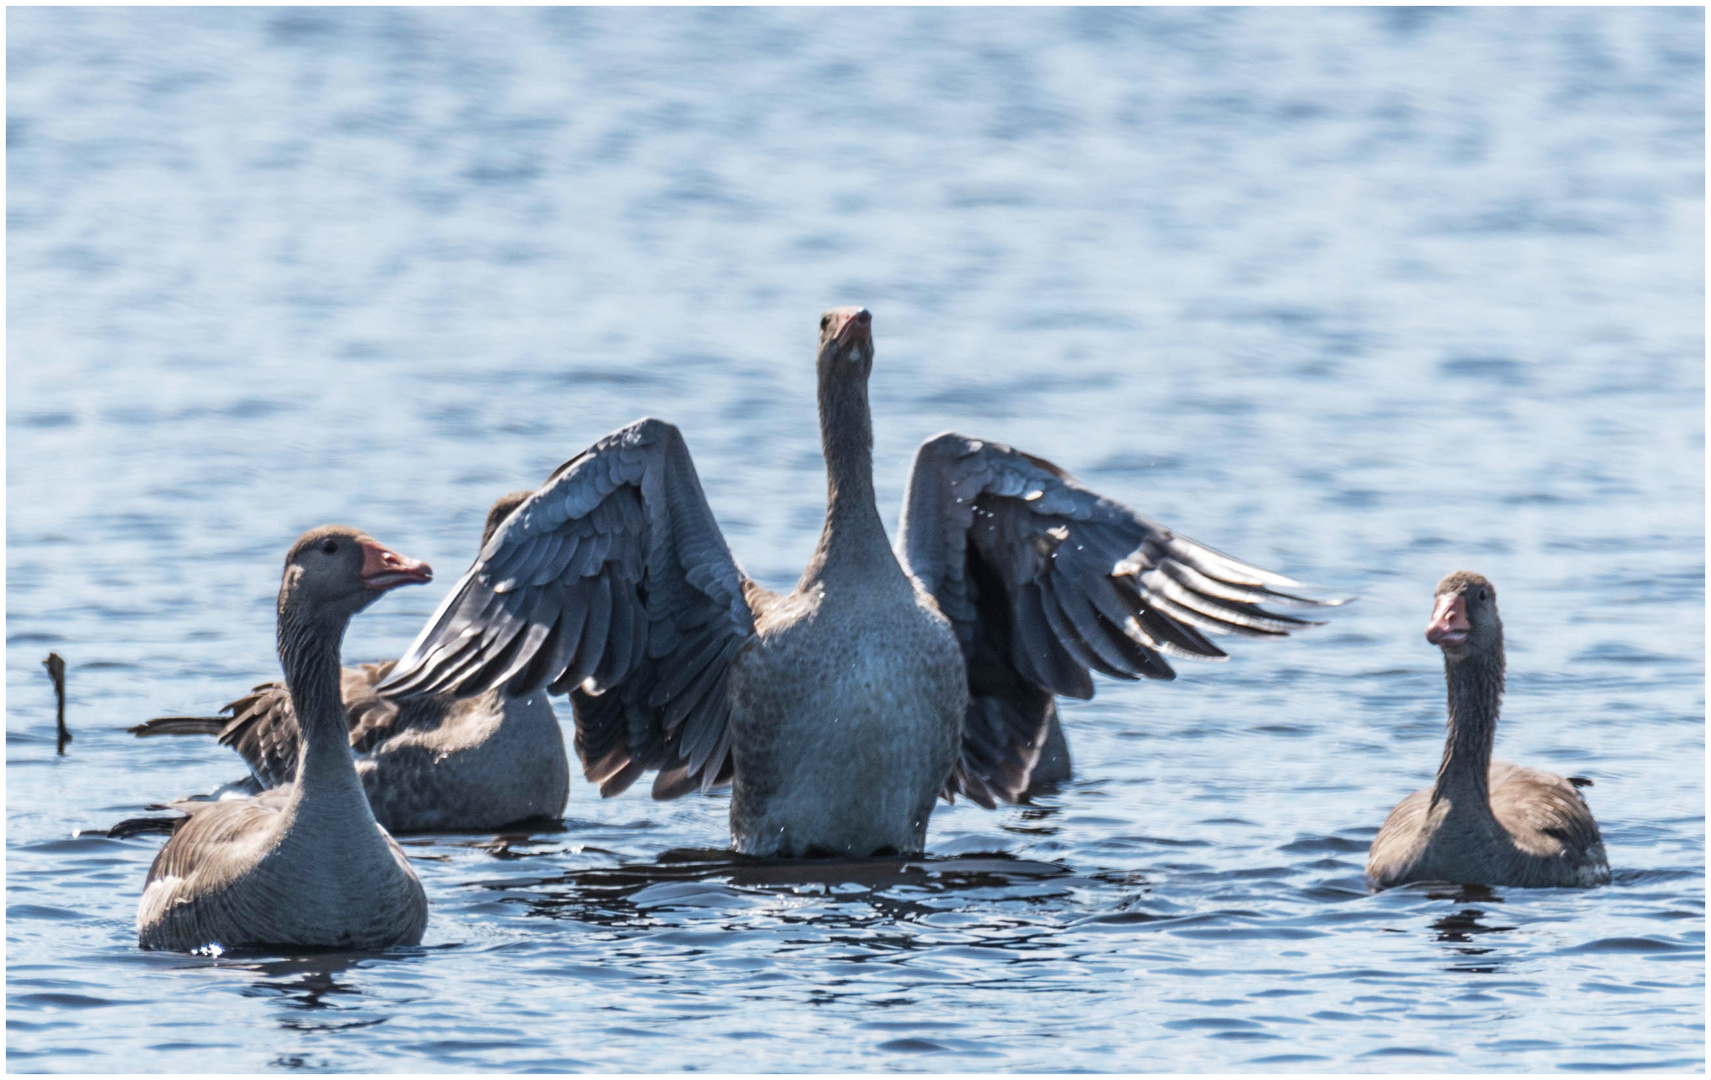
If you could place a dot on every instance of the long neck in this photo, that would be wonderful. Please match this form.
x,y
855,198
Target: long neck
x,y
309,652
853,539
1475,694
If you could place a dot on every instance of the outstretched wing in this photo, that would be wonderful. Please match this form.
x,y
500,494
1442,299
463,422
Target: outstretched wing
x,y
612,582
1046,582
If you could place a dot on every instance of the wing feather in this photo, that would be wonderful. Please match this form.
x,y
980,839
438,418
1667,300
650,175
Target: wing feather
x,y
1069,633
1047,582
612,582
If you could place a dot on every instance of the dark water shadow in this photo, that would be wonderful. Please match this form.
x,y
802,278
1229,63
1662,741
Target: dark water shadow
x,y
883,889
304,982
315,988
1454,891
516,832
1464,926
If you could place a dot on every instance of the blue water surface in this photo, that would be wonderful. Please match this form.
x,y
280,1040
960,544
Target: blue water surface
x,y
1363,296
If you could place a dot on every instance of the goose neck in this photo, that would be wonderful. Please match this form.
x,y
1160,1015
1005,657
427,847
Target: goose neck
x,y
853,538
1475,687
309,653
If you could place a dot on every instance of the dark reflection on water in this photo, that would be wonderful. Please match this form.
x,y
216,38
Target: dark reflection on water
x,y
1364,295
1461,926
864,892
307,984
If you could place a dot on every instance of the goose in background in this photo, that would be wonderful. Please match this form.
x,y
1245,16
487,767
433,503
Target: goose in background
x,y
305,865
1484,822
429,764
841,710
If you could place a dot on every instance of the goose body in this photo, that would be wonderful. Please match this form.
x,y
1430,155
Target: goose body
x,y
1484,822
264,871
846,718
435,763
847,701
885,679
306,865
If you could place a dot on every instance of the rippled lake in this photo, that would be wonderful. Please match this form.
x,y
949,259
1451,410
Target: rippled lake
x,y
1360,295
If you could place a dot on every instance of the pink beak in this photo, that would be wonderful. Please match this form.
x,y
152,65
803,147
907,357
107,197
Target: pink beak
x,y
383,568
1449,625
856,327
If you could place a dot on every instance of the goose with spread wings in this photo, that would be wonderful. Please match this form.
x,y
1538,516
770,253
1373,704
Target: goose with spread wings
x,y
840,711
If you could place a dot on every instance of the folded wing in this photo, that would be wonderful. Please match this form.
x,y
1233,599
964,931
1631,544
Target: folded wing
x,y
262,725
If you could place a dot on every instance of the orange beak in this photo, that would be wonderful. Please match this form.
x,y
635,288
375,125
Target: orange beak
x,y
1449,625
383,568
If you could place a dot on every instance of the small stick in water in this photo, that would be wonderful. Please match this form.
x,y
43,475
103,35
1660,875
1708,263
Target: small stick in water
x,y
55,663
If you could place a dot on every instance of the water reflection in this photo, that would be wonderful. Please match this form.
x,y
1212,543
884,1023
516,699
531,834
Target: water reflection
x,y
844,892
1136,273
529,840
1035,820
1462,893
305,982
1462,926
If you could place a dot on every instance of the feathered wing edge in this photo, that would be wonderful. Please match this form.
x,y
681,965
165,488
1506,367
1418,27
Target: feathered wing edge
x,y
612,583
1047,582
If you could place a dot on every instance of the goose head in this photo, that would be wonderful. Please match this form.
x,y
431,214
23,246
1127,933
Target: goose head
x,y
846,343
1464,618
337,571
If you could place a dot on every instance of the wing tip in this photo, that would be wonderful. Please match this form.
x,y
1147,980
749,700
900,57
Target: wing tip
x,y
1312,601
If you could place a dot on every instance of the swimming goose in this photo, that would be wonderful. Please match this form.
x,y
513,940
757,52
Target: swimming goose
x,y
307,865
1484,822
842,709
436,763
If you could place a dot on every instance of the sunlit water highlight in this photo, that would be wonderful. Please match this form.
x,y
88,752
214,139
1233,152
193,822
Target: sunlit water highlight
x,y
1363,296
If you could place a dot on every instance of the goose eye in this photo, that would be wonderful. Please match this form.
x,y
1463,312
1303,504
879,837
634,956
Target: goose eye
x,y
825,320
329,546
1482,595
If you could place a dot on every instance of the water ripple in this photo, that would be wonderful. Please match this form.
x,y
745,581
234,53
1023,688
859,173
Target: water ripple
x,y
1360,294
